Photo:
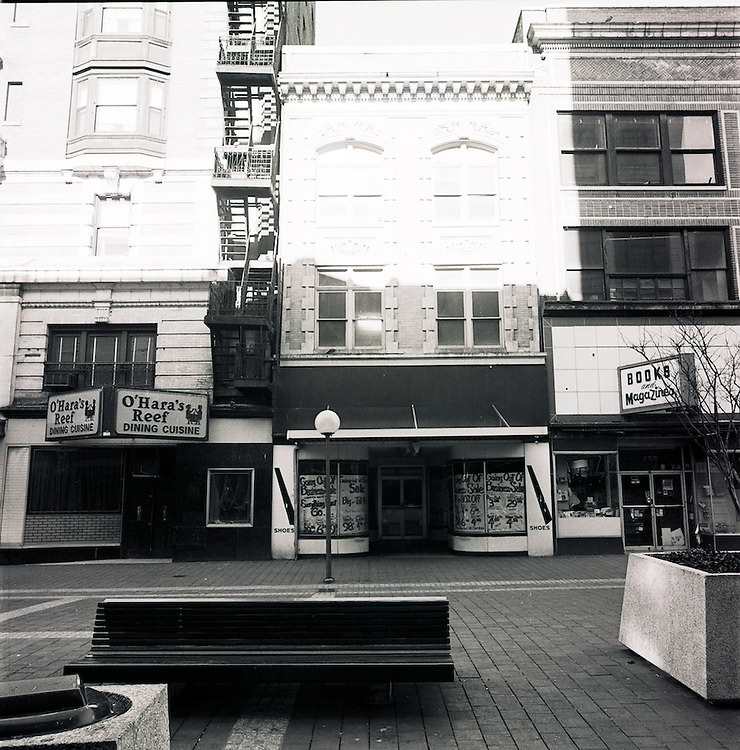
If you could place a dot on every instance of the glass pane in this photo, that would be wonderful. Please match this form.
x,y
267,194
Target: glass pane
x,y
581,132
446,180
636,131
368,304
482,208
450,305
102,347
331,333
583,249
117,91
638,168
122,20
447,209
583,169
709,286
141,347
368,332
13,102
66,348
693,169
112,241
585,285
485,305
115,119
332,304
368,208
230,498
333,278
451,333
707,249
486,333
644,253
331,180
482,179
691,132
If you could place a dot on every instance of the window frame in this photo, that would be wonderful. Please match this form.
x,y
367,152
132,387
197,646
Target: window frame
x,y
350,291
155,19
608,149
230,471
601,267
465,167
468,289
13,107
355,194
104,222
72,350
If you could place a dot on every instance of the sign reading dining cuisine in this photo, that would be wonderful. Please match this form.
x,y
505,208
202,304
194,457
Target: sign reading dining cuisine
x,y
160,414
653,386
74,415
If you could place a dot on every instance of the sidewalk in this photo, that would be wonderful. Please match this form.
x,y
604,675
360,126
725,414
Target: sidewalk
x,y
534,640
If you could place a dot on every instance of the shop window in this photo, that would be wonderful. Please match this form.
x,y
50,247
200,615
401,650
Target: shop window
x,y
349,517
230,499
12,112
586,485
349,184
630,264
95,357
112,225
715,511
350,308
468,316
488,497
465,185
75,481
631,148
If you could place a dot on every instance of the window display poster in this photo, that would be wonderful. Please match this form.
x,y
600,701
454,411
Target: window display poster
x,y
349,519
489,500
353,511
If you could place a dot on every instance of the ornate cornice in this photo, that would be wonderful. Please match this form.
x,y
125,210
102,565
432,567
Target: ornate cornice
x,y
406,89
650,35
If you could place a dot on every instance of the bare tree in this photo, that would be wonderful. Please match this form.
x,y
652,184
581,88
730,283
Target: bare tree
x,y
703,388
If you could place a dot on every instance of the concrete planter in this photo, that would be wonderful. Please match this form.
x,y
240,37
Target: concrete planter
x,y
685,622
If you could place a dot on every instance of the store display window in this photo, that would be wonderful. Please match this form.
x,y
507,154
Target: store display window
x,y
349,517
586,485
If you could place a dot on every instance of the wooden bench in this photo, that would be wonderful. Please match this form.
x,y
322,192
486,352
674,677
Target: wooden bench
x,y
364,640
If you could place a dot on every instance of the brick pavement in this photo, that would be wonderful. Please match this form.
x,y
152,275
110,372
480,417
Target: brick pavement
x,y
534,640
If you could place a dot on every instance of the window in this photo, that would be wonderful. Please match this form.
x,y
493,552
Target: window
x,y
230,497
102,356
586,485
75,481
631,148
112,226
469,315
118,105
464,183
123,19
13,102
635,265
349,183
350,308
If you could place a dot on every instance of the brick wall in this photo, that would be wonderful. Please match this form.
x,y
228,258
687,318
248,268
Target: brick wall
x,y
66,528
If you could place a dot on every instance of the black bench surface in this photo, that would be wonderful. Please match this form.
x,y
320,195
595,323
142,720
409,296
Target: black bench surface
x,y
381,639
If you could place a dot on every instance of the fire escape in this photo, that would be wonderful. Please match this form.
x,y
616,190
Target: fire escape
x,y
242,312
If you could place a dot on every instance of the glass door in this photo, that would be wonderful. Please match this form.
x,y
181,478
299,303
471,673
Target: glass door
x,y
653,510
402,511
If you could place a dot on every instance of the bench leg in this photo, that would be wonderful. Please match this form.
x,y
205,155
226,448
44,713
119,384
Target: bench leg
x,y
380,693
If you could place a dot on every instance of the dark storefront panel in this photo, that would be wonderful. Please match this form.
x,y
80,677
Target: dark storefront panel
x,y
439,396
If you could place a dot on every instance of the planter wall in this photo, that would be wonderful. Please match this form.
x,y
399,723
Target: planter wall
x,y
685,622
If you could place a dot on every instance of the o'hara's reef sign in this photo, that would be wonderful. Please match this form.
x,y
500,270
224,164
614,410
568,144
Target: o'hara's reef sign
x,y
74,415
161,414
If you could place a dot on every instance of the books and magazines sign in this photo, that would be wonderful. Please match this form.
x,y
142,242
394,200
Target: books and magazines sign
x,y
161,414
654,386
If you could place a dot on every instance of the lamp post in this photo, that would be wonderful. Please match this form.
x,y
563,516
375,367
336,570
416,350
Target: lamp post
x,y
327,423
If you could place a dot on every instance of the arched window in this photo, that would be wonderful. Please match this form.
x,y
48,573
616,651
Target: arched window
x,y
465,184
349,184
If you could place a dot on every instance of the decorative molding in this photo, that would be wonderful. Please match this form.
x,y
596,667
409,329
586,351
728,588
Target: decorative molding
x,y
513,88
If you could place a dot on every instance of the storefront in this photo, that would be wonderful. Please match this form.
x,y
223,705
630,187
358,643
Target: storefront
x,y
452,455
114,472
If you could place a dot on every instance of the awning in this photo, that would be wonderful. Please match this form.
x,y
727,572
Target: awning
x,y
386,401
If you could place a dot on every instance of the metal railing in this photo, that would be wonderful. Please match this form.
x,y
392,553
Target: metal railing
x,y
248,299
254,50
255,162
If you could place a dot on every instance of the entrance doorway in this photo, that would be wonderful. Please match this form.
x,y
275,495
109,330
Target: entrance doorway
x,y
144,518
654,510
402,509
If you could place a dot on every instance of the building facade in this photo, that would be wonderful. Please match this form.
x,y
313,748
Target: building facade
x,y
639,132
137,238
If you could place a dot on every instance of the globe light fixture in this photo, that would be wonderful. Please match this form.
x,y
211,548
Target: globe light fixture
x,y
327,423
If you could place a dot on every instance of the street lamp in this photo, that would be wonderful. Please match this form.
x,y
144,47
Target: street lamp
x,y
327,423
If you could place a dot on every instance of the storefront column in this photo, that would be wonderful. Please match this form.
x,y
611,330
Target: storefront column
x,y
540,541
284,506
